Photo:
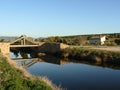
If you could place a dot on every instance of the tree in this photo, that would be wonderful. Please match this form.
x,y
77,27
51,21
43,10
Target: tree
x,y
117,41
79,40
2,40
58,39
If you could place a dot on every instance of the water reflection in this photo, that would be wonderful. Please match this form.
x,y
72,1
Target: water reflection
x,y
73,74
27,61
24,54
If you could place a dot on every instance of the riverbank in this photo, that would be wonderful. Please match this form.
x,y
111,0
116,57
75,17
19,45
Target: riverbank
x,y
91,54
14,77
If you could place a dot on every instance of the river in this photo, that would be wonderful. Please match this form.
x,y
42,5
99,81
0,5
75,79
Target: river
x,y
73,74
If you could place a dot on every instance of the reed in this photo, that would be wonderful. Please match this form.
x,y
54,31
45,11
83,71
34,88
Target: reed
x,y
91,54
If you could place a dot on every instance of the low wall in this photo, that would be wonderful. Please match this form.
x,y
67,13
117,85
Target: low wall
x,y
5,48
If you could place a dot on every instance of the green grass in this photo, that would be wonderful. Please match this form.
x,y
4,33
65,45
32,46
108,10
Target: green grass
x,y
13,79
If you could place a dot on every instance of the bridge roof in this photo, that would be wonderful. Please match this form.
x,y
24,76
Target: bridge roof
x,y
24,38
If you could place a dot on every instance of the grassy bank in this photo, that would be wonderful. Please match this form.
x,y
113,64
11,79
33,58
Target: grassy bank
x,y
14,79
91,55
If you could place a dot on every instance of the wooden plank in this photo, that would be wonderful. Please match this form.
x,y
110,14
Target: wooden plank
x,y
24,45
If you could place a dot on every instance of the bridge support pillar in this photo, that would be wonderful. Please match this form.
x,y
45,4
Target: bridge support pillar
x,y
5,48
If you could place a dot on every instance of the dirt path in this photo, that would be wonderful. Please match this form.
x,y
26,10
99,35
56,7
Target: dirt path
x,y
109,48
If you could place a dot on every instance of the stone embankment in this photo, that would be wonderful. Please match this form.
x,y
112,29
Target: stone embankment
x,y
50,48
5,48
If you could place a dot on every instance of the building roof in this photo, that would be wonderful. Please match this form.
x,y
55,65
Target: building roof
x,y
97,37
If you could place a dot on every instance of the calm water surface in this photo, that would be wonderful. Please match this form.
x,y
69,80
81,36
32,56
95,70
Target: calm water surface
x,y
74,75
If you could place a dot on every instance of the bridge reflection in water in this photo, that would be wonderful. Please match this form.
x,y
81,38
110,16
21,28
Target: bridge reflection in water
x,y
27,62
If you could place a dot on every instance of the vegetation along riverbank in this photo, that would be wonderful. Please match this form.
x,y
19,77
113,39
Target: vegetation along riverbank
x,y
14,77
82,53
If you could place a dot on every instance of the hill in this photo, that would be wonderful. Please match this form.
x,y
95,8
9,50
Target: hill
x,y
111,39
7,38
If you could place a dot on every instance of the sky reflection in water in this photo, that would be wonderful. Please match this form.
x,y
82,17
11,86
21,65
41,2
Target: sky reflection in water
x,y
77,76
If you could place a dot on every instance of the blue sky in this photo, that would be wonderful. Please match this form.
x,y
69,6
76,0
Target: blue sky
x,y
43,18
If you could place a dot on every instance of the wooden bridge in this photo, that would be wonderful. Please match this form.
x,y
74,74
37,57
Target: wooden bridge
x,y
23,41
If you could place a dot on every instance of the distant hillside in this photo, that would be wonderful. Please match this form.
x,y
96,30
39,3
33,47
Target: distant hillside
x,y
8,38
87,35
111,39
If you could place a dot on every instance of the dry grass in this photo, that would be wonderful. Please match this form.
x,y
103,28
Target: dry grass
x,y
92,54
49,82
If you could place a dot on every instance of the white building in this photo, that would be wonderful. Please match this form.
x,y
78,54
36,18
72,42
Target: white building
x,y
98,40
